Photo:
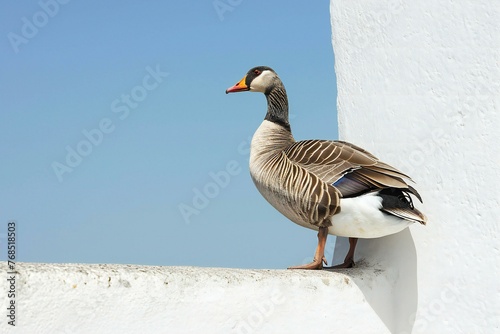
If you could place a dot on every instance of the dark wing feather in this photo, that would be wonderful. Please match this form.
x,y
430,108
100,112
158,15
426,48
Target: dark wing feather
x,y
398,203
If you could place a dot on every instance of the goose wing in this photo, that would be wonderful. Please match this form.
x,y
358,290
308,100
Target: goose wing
x,y
349,168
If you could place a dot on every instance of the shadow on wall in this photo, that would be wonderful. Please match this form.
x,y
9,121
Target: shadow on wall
x,y
395,300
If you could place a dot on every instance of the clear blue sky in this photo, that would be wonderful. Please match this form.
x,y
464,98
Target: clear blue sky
x,y
156,140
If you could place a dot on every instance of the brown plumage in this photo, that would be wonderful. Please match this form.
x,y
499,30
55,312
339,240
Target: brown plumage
x,y
323,184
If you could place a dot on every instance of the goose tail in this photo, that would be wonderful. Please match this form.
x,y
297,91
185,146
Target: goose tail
x,y
398,202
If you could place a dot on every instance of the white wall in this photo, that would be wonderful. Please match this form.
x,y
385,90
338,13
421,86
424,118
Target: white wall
x,y
418,86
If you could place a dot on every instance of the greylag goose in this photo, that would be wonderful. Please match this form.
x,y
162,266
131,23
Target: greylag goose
x,y
333,187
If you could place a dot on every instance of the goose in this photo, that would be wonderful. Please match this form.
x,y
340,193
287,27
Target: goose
x,y
334,187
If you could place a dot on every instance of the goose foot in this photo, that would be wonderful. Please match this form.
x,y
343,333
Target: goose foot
x,y
319,256
314,265
349,259
347,264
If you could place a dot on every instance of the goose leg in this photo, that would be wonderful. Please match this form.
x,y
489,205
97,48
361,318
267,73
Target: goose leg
x,y
349,259
319,256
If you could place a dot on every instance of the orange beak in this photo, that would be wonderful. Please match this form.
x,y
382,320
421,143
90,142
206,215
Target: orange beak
x,y
239,87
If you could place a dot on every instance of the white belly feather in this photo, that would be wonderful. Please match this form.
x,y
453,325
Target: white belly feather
x,y
360,217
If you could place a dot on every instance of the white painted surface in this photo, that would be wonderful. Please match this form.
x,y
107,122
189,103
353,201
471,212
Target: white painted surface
x,y
79,298
418,86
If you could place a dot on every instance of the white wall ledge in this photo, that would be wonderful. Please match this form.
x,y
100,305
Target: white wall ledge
x,y
92,298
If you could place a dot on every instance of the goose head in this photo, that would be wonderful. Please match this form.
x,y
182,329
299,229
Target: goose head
x,y
259,79
263,79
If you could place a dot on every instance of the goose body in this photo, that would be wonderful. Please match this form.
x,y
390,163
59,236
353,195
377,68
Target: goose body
x,y
331,186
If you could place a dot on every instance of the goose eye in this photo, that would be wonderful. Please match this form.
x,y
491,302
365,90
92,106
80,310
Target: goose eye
x,y
256,72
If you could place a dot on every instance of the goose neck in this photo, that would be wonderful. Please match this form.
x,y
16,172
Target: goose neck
x,y
277,106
